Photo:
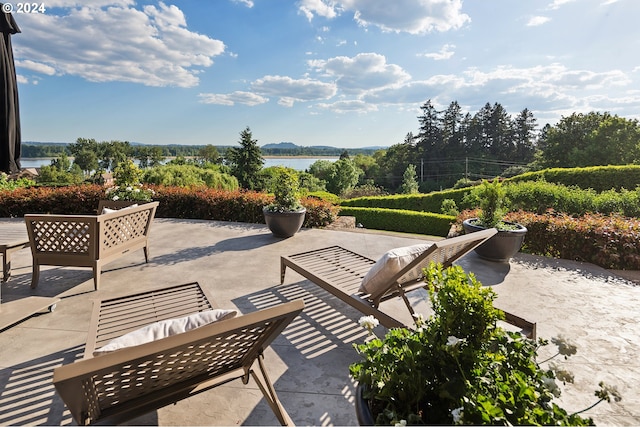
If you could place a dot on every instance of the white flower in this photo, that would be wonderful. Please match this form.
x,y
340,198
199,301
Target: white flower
x,y
368,322
402,423
380,385
551,385
129,188
116,197
454,341
457,415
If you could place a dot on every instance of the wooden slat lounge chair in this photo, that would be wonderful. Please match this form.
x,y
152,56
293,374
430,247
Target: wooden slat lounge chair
x,y
340,272
121,385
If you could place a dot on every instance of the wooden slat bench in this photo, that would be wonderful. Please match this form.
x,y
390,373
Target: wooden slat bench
x,y
88,240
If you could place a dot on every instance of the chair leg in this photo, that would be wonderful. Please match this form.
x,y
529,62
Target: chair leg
x,y
96,276
270,394
146,253
6,267
35,275
283,269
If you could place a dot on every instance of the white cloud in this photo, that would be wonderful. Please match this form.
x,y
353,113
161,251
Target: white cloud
x,y
238,97
310,8
37,67
534,21
556,4
113,41
550,91
445,52
290,90
411,16
248,3
362,72
352,106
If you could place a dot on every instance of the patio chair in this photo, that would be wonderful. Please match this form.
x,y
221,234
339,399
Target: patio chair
x,y
120,385
88,240
342,272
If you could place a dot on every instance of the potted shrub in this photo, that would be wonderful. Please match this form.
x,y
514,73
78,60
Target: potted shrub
x,y
128,189
285,215
459,367
491,197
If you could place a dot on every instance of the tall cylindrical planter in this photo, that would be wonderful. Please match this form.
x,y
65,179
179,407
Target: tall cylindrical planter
x,y
284,224
363,411
500,247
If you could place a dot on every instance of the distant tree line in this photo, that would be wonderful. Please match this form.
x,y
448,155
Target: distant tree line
x,y
450,148
174,150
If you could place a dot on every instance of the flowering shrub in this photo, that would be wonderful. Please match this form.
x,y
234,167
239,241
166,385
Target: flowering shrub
x,y
134,193
459,367
128,186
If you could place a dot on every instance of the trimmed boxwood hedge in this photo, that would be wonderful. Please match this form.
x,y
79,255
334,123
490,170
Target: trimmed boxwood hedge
x,y
429,202
598,178
405,221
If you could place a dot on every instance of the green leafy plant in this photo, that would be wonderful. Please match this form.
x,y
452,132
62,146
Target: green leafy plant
x,y
285,188
128,186
459,367
12,184
491,197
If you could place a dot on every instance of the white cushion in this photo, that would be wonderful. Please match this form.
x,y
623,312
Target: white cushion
x,y
164,329
107,210
378,278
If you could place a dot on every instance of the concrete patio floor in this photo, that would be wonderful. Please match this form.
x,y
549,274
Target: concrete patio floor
x,y
240,264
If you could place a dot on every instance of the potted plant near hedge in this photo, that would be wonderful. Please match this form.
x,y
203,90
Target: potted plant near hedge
x,y
491,197
285,215
128,189
459,367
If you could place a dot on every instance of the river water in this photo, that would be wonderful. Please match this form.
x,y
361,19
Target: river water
x,y
297,163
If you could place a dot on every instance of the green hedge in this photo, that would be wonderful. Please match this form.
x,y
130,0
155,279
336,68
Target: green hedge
x,y
539,196
598,178
532,196
429,202
405,221
175,202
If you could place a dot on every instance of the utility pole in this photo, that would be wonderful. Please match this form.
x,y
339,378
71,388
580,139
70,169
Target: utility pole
x,y
421,170
466,168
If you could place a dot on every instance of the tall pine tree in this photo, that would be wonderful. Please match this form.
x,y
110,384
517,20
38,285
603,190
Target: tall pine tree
x,y
246,161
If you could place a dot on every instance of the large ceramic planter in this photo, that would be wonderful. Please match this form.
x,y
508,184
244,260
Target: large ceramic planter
x,y
501,246
284,224
363,411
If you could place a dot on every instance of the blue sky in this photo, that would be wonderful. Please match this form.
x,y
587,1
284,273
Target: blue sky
x,y
346,73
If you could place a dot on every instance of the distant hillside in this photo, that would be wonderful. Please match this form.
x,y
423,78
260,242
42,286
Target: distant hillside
x,y
291,149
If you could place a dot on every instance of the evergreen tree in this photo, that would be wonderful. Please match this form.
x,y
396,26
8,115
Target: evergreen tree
x,y
246,161
409,180
430,135
524,135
